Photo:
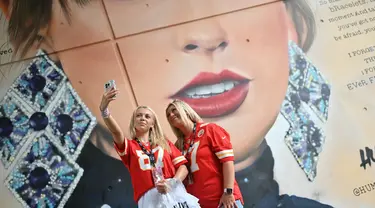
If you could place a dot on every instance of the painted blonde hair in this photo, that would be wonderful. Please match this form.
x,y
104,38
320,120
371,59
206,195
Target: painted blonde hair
x,y
186,113
156,135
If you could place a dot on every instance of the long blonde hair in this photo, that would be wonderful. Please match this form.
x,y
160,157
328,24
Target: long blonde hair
x,y
186,113
155,133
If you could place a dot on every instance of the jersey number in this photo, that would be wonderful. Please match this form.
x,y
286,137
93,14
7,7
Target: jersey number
x,y
193,157
143,158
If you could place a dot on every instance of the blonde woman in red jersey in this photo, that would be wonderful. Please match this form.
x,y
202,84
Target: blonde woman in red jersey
x,y
209,151
145,151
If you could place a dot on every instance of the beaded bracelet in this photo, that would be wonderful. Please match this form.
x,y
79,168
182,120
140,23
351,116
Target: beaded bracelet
x,y
105,113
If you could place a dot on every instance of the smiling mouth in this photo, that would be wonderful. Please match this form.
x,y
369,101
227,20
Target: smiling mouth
x,y
172,118
213,95
206,91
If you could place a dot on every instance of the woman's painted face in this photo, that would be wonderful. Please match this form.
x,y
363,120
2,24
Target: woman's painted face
x,y
231,69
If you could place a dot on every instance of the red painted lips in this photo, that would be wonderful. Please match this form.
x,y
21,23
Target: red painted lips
x,y
213,95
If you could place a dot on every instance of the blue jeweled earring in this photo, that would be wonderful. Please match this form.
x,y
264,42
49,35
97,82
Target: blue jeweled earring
x,y
43,127
306,109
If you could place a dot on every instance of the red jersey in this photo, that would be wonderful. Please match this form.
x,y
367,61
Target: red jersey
x,y
211,148
139,166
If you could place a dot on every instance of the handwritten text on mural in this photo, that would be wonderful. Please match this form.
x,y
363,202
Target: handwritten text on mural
x,y
367,157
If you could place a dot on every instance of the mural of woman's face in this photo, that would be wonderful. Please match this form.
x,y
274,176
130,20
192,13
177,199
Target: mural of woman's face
x,y
232,69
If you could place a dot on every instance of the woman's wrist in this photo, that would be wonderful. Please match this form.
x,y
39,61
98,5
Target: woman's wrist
x,y
105,113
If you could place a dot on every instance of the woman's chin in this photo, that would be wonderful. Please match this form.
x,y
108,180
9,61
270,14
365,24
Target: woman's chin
x,y
247,161
141,129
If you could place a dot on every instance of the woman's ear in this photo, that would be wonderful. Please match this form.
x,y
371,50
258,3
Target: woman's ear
x,y
4,6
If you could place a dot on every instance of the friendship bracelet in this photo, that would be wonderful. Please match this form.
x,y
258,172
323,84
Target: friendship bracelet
x,y
105,113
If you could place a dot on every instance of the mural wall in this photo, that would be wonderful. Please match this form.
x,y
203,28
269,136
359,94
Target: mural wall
x,y
291,81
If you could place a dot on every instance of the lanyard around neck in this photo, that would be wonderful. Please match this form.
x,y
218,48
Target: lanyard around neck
x,y
191,141
148,153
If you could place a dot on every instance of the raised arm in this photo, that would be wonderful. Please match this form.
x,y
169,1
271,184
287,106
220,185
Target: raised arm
x,y
114,128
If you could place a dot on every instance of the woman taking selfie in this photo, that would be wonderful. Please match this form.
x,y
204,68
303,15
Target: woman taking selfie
x,y
149,157
209,151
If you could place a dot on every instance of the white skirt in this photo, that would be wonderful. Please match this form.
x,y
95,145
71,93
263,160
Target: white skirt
x,y
177,197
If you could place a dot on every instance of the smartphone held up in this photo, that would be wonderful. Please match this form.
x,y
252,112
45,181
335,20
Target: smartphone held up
x,y
111,84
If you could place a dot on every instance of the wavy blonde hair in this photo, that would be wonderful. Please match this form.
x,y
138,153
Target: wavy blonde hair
x,y
155,133
186,113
